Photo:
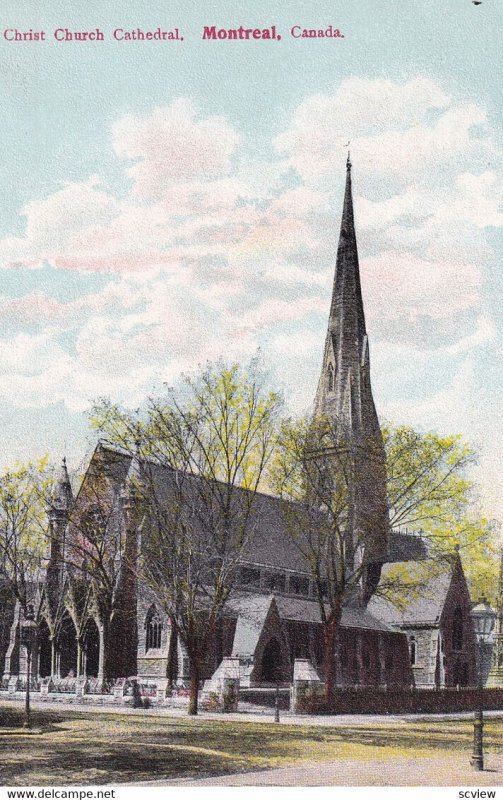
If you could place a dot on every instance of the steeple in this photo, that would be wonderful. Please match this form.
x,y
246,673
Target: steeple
x,y
58,513
344,399
344,393
62,496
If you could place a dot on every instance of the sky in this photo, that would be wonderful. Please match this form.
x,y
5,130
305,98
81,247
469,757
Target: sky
x,y
166,203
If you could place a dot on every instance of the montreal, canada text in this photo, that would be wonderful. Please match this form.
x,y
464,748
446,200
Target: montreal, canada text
x,y
157,34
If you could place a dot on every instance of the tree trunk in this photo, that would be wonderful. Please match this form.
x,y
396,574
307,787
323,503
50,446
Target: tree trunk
x,y
172,665
53,658
101,653
328,660
194,687
27,709
330,630
79,659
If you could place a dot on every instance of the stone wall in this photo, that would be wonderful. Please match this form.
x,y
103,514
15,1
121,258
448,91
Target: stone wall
x,y
400,701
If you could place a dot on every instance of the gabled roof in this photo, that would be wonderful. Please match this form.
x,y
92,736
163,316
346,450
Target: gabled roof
x,y
425,606
252,611
308,611
270,542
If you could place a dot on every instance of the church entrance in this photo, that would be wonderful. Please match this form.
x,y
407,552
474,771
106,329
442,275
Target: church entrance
x,y
272,671
91,650
44,650
67,648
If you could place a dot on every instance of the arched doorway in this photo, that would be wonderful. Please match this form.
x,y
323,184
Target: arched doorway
x,y
67,648
91,650
44,650
272,662
460,674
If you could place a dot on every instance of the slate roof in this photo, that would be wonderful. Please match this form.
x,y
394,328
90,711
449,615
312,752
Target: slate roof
x,y
424,609
308,611
405,546
252,614
253,609
270,543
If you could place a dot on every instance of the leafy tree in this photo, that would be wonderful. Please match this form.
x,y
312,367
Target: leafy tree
x,y
23,541
430,490
92,549
212,440
23,545
314,473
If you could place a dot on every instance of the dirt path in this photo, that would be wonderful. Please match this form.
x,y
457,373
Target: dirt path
x,y
448,770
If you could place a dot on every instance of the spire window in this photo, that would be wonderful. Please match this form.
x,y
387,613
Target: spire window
x,y
330,378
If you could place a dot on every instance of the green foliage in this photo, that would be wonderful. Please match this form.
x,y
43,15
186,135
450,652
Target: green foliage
x,y
23,524
428,487
311,472
430,490
220,428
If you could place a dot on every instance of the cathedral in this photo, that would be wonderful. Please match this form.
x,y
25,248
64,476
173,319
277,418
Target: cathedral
x,y
272,618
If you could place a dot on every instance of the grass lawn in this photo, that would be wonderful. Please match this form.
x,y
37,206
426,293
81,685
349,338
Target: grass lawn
x,y
71,747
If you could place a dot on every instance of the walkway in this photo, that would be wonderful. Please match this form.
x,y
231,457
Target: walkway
x,y
445,770
251,714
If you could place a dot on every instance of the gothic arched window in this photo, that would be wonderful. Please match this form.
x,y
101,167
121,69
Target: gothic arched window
x,y
330,378
413,650
153,625
457,629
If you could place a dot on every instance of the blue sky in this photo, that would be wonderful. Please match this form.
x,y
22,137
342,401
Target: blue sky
x,y
168,203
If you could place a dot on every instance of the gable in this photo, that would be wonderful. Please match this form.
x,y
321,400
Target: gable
x,y
425,604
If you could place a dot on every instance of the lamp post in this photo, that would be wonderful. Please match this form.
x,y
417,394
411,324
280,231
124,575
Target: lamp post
x,y
276,703
483,618
27,628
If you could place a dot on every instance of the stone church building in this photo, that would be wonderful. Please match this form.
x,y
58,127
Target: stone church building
x,y
272,617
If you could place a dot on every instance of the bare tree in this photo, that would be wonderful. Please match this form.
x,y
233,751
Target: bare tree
x,y
205,450
23,541
23,544
98,566
314,474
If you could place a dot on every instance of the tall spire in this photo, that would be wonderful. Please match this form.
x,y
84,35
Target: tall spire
x,y
345,373
344,398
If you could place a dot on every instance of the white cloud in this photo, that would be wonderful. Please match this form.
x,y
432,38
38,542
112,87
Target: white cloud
x,y
171,143
485,332
464,404
400,131
211,255
405,286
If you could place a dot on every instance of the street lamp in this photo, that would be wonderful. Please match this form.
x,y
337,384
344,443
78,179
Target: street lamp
x,y
27,628
483,618
276,703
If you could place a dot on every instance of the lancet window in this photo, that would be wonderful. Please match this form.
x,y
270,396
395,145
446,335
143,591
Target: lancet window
x,y
153,625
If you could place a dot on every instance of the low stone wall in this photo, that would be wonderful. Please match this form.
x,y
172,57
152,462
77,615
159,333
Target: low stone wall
x,y
377,700
134,691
